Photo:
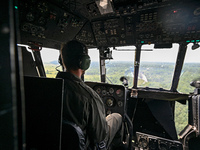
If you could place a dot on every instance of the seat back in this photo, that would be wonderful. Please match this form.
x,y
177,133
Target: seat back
x,y
43,107
72,137
45,128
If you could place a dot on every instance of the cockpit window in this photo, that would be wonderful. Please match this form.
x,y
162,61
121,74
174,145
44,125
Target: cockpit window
x,y
190,72
93,73
157,66
50,60
122,64
191,69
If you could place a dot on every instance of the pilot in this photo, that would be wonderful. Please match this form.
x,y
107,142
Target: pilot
x,y
82,105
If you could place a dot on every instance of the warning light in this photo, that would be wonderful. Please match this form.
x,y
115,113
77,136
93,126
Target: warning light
x,y
175,11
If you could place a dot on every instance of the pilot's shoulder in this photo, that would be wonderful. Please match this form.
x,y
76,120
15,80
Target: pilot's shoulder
x,y
90,90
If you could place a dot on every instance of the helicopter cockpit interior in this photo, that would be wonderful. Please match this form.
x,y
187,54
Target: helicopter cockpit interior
x,y
31,25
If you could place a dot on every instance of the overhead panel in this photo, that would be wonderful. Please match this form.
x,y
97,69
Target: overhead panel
x,y
171,24
86,35
123,7
131,22
114,32
43,22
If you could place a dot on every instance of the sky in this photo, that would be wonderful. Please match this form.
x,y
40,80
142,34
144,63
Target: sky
x,y
158,55
49,55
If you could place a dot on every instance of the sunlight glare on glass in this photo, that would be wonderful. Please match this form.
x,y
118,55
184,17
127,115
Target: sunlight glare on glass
x,y
123,53
192,56
94,54
159,55
50,55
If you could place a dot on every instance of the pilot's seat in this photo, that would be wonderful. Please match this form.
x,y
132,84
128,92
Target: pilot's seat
x,y
72,137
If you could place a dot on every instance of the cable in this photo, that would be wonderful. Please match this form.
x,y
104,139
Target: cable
x,y
109,80
58,67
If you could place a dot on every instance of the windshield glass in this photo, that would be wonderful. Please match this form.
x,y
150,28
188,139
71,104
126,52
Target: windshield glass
x,y
50,60
190,71
157,66
93,73
122,64
51,65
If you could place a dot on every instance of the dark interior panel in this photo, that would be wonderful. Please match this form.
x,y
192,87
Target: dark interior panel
x,y
43,107
152,117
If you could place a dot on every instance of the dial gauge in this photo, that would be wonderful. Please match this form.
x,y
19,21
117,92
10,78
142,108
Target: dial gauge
x,y
119,93
98,90
104,92
111,90
109,102
120,103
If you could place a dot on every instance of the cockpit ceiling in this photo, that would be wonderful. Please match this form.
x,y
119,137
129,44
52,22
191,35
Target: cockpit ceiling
x,y
128,22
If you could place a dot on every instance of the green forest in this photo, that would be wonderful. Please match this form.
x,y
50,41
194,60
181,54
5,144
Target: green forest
x,y
154,75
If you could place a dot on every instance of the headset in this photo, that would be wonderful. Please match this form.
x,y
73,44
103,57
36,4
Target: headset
x,y
76,54
84,59
81,61
84,62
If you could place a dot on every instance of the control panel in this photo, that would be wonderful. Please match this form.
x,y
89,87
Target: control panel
x,y
114,32
41,21
150,142
171,24
86,35
162,23
123,7
113,96
130,23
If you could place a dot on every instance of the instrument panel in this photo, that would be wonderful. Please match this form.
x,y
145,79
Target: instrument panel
x,y
113,32
131,23
113,96
169,25
150,142
46,23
